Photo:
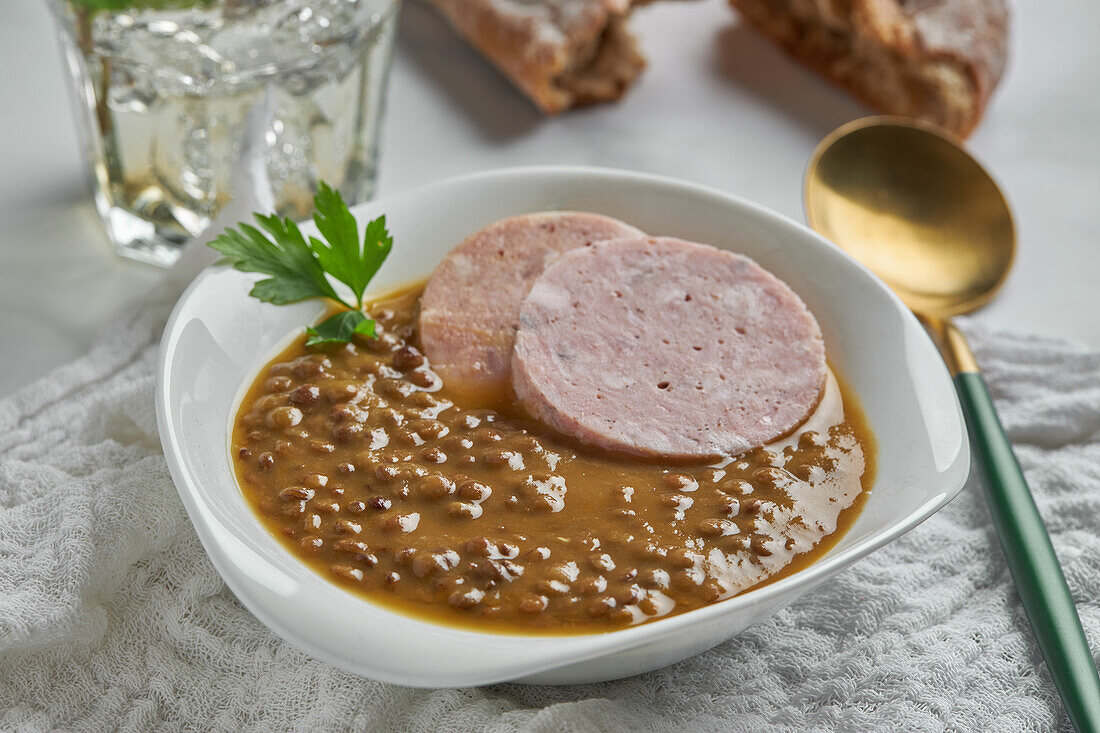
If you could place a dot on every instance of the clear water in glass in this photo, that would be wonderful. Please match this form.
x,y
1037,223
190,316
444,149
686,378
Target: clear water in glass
x,y
164,90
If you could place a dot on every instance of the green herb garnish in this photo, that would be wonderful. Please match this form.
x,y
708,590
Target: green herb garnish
x,y
94,5
300,270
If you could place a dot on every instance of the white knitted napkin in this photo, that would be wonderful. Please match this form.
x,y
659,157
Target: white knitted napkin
x,y
111,616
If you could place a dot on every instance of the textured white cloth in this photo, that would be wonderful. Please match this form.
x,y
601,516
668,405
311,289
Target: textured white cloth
x,y
111,616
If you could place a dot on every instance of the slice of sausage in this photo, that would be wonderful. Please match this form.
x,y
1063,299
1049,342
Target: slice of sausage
x,y
470,307
666,348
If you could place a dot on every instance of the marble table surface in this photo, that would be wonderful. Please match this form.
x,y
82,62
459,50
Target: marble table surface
x,y
717,105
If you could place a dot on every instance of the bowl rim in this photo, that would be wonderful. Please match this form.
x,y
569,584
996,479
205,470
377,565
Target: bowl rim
x,y
595,645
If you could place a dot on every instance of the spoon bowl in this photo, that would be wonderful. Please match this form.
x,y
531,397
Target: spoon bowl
x,y
932,224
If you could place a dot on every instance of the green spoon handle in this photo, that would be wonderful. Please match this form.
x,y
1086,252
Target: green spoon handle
x,y
1031,559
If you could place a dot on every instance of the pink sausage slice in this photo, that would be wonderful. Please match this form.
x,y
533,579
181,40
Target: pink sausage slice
x,y
470,307
666,348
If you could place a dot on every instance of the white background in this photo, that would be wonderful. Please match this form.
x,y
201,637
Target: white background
x,y
718,105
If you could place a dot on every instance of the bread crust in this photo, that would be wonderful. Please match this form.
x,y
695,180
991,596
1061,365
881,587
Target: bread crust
x,y
560,53
936,60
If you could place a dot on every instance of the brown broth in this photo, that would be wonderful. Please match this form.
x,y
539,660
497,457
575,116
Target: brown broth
x,y
379,477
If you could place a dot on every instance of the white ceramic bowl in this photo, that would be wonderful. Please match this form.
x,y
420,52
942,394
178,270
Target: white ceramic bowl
x,y
218,337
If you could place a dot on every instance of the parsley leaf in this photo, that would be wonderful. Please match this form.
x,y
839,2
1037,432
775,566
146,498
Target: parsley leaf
x,y
94,5
300,270
295,273
342,256
339,328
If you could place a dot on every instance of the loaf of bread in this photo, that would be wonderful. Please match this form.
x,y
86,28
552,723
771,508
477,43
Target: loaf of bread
x,y
936,60
560,53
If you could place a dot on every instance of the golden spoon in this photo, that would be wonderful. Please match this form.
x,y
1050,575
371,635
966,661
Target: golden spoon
x,y
908,202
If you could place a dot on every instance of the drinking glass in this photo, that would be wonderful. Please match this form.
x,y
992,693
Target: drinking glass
x,y
164,90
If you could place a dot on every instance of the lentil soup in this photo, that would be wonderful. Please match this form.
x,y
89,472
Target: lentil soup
x,y
458,508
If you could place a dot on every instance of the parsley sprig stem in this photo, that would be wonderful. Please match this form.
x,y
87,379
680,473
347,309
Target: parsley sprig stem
x,y
301,269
